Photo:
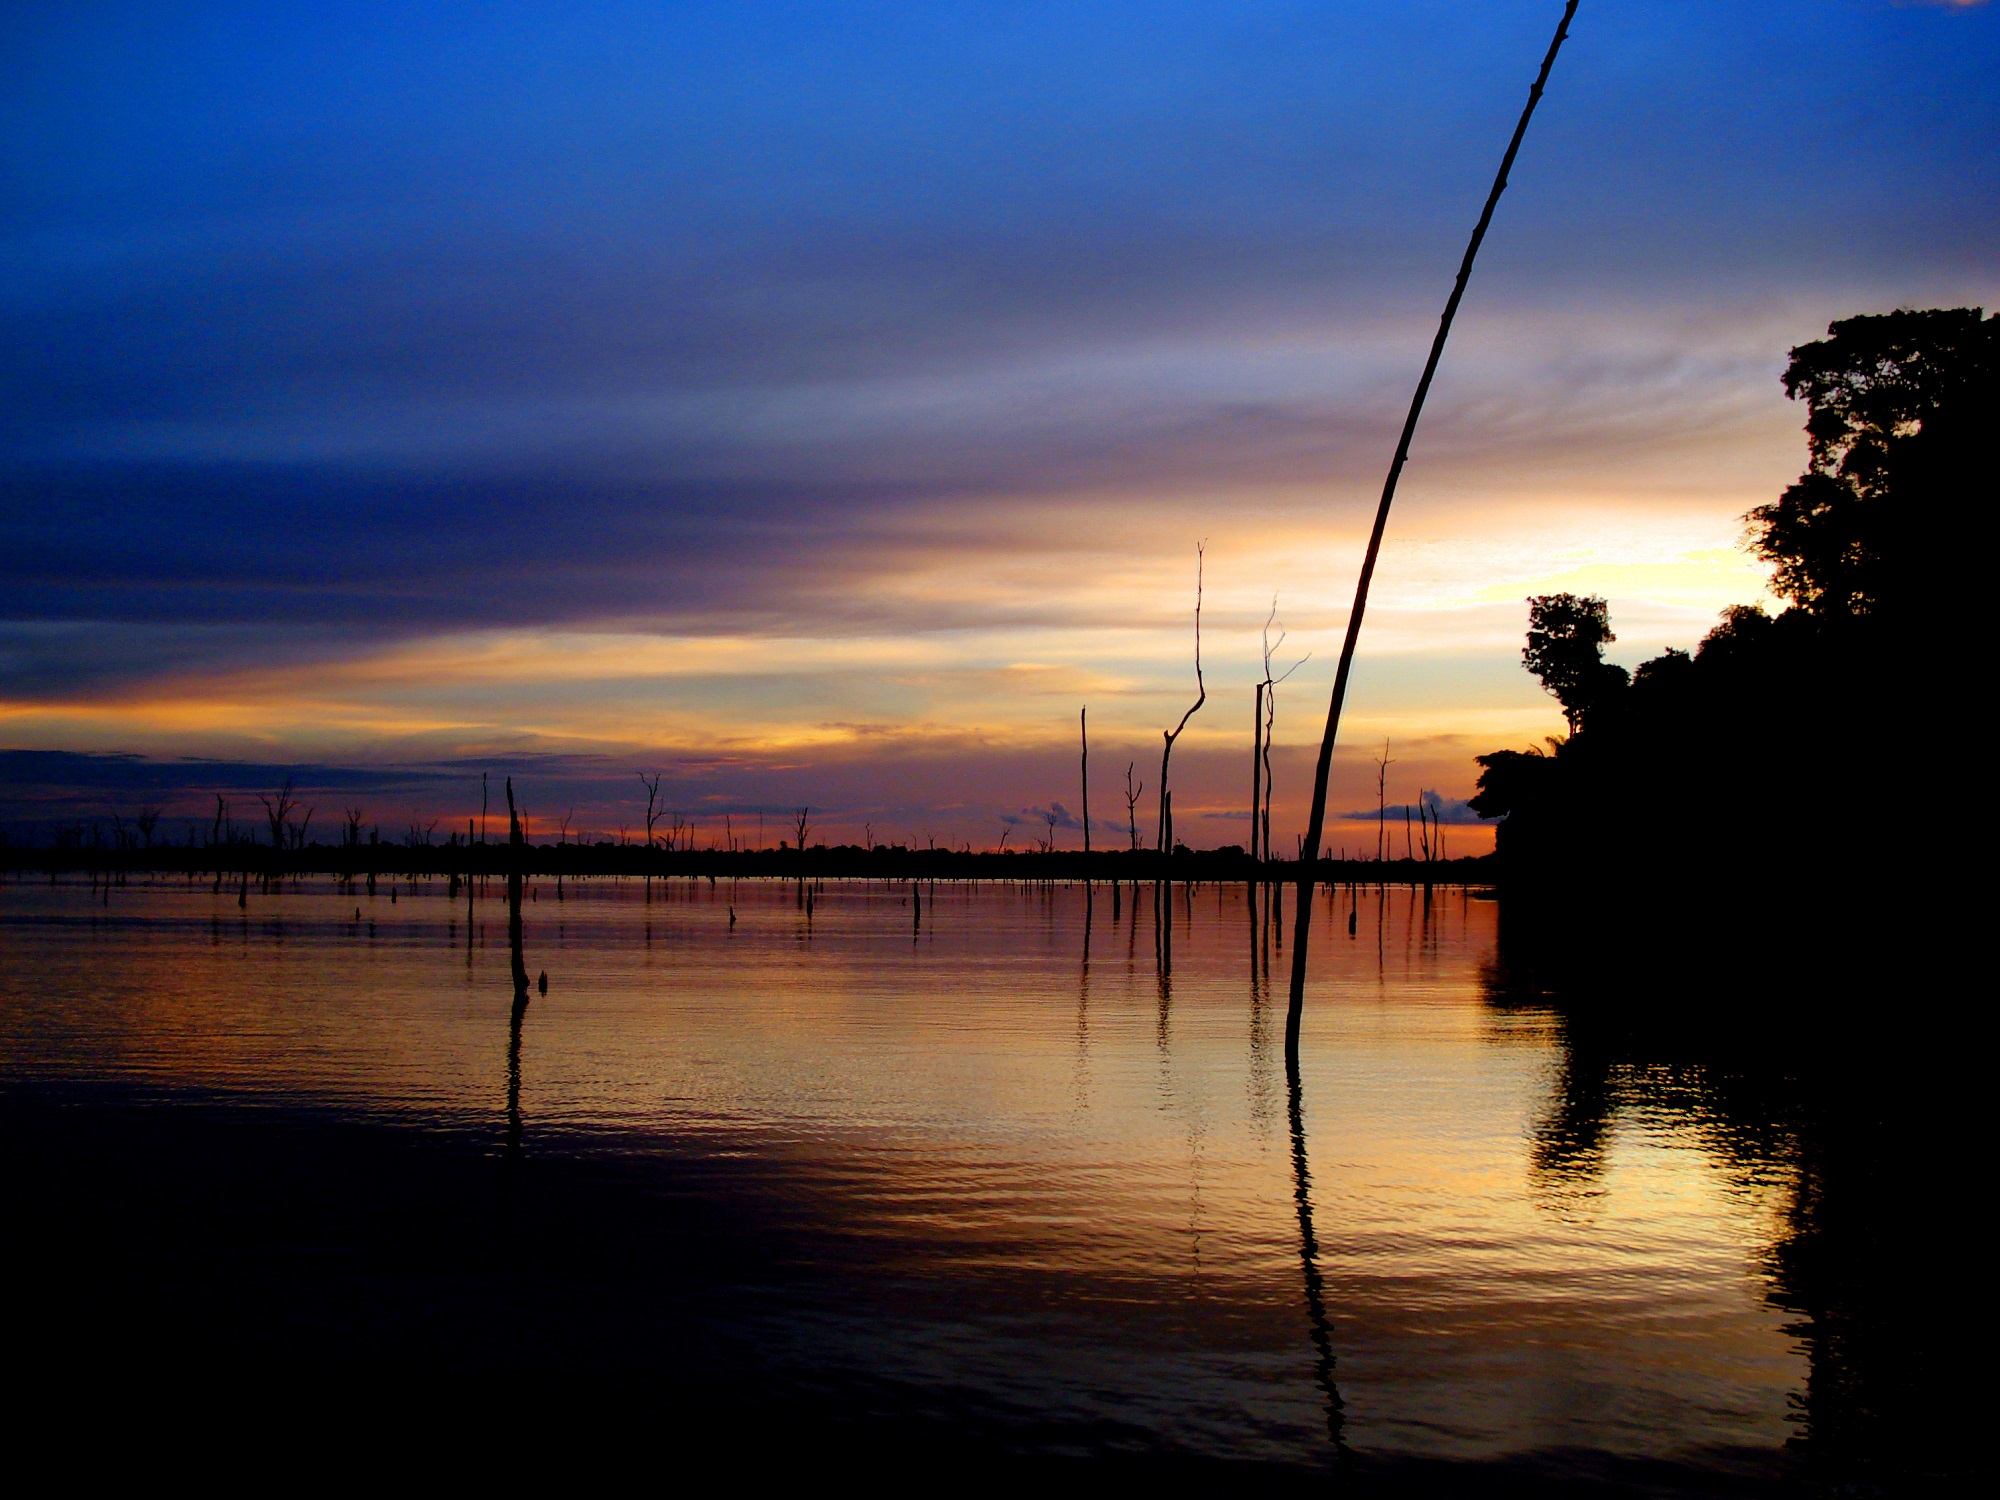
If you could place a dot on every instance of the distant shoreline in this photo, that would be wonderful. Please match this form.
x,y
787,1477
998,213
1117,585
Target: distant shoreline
x,y
390,861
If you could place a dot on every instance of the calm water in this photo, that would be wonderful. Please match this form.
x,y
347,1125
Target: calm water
x,y
1038,1151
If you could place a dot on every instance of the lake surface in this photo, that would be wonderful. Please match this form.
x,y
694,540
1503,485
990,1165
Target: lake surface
x,y
1025,1161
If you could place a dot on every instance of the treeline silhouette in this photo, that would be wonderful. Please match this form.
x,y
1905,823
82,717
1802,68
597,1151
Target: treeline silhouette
x,y
277,845
1781,745
457,860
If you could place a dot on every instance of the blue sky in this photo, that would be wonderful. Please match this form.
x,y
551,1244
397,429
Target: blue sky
x,y
761,386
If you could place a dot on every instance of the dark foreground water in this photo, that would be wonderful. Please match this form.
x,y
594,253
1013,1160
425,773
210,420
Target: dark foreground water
x,y
1020,1183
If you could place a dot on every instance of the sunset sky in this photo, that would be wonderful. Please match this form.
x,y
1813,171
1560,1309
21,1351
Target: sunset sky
x,y
821,402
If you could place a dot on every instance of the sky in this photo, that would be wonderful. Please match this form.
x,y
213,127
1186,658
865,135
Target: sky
x,y
820,404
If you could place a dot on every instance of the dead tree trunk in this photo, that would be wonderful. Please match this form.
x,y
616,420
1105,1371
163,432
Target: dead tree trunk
x,y
517,859
1201,697
1381,800
652,786
278,810
1267,720
1270,728
1256,768
1317,820
1083,731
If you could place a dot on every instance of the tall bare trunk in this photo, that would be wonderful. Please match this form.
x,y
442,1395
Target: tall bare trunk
x,y
1270,728
1256,768
1316,822
517,859
1166,835
1083,731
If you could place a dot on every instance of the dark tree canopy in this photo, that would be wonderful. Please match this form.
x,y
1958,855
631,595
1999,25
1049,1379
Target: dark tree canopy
x,y
1744,631
1893,405
1510,780
1567,634
1766,742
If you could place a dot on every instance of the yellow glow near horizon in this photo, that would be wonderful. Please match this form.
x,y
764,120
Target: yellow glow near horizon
x,y
625,685
971,638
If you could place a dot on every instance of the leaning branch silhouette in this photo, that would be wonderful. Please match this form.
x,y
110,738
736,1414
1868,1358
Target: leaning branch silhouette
x,y
1309,850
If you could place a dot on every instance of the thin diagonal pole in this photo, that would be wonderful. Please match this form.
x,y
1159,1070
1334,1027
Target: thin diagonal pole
x,y
1315,826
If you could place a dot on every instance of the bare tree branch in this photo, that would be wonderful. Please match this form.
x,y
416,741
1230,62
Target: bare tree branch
x,y
1201,696
652,787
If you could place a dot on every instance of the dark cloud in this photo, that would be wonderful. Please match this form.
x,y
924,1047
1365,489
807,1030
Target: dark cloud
x,y
1038,817
1451,811
40,789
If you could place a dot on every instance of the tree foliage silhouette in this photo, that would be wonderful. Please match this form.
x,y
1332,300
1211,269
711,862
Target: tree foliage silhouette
x,y
1773,722
1567,634
1888,396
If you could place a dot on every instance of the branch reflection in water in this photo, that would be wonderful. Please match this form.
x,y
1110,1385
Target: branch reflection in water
x,y
1316,1319
1083,1004
1690,1231
516,848
1857,1142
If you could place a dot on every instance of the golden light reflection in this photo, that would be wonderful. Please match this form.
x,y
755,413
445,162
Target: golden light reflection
x,y
946,1122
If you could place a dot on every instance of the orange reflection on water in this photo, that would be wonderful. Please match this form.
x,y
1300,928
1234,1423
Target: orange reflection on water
x,y
1051,1125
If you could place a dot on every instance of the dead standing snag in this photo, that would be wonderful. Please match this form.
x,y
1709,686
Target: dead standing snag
x,y
1083,732
278,809
517,848
1201,696
652,786
1263,723
1309,847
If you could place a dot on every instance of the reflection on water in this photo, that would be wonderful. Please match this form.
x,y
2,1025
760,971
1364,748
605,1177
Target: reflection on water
x,y
1315,1284
1023,1150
